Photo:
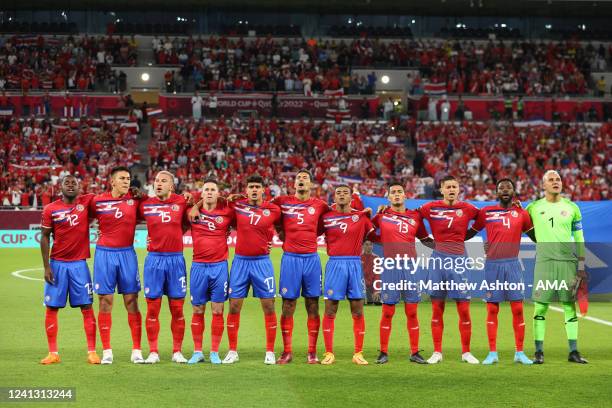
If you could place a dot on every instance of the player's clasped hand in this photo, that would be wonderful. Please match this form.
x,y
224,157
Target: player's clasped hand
x,y
194,214
235,197
136,193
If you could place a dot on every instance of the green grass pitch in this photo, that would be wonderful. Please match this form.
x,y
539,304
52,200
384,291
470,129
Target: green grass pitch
x,y
251,383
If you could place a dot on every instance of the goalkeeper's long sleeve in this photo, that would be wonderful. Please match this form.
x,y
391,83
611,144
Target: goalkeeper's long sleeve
x,y
579,239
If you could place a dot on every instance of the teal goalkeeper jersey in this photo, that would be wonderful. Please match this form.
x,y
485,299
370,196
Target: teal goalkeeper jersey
x,y
558,229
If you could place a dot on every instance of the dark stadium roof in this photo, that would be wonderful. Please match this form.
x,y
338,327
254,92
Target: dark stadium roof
x,y
534,8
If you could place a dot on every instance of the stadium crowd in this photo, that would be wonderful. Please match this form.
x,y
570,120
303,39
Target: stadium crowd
x,y
308,65
35,153
57,63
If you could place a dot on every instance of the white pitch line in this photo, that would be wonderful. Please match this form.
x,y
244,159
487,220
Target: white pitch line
x,y
592,319
18,273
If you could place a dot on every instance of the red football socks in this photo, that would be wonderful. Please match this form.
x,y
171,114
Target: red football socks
x,y
152,323
51,329
385,326
518,323
197,331
89,324
437,323
328,332
135,323
177,324
313,324
105,323
216,332
270,322
358,332
286,323
233,324
465,325
412,324
492,311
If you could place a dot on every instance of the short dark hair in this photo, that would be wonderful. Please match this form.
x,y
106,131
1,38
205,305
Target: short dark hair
x,y
68,176
502,180
117,169
395,183
341,186
255,178
210,180
306,171
447,178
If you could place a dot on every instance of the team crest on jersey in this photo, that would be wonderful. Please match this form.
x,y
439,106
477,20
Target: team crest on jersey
x,y
284,290
514,214
266,213
80,207
219,219
47,298
229,291
411,222
330,292
175,207
147,290
130,202
355,218
311,210
489,294
564,213
459,212
97,286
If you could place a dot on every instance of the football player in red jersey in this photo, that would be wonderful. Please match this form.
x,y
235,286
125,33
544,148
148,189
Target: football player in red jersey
x,y
255,220
300,265
115,261
345,231
208,278
504,224
164,268
449,219
67,220
399,227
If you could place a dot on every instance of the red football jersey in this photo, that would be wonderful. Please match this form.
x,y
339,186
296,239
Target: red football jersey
x,y
398,231
209,234
301,222
70,228
255,227
449,224
165,221
344,233
504,227
117,219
